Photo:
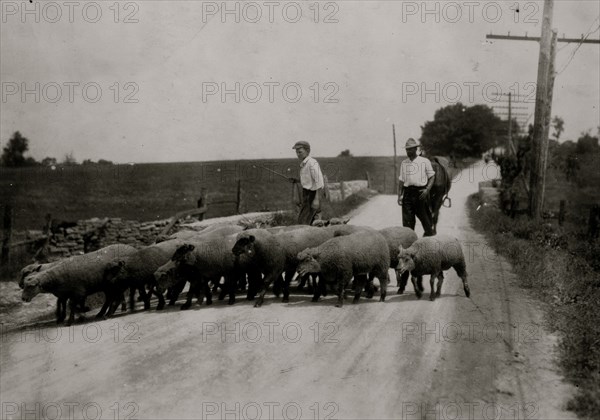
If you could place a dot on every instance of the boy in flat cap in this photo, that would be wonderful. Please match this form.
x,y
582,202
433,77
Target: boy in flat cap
x,y
311,179
415,181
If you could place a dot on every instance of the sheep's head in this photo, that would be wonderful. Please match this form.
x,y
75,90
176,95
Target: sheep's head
x,y
27,271
165,275
244,245
114,271
406,260
32,286
307,262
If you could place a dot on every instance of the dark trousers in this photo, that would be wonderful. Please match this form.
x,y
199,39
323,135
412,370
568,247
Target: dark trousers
x,y
307,214
413,206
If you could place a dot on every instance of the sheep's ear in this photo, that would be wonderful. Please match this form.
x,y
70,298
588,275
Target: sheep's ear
x,y
38,268
189,247
251,238
400,249
121,263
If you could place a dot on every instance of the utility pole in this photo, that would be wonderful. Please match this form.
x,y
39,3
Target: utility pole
x,y
510,143
395,161
543,103
543,106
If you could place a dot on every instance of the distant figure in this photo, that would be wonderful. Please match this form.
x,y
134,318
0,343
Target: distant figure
x,y
311,179
415,181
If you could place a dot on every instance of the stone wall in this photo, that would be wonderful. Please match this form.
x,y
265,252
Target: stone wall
x,y
339,191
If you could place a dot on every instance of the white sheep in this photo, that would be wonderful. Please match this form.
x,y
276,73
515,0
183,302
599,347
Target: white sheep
x,y
433,255
397,236
360,254
76,277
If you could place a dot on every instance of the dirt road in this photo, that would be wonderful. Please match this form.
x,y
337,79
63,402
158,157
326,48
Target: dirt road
x,y
456,358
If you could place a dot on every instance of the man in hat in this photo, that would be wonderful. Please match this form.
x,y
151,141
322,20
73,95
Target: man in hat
x,y
415,181
311,179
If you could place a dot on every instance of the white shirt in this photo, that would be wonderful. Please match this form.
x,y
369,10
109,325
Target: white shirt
x,y
416,173
311,176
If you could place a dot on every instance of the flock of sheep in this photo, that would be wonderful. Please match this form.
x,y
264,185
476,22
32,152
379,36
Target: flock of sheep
x,y
229,258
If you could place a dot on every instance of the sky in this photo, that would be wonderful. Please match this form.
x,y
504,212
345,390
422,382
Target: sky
x,y
171,81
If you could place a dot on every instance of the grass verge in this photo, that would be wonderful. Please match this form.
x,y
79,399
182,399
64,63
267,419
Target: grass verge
x,y
562,269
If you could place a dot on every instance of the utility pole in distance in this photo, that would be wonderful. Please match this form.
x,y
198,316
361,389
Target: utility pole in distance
x,y
395,160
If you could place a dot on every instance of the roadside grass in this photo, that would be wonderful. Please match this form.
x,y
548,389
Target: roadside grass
x,y
561,267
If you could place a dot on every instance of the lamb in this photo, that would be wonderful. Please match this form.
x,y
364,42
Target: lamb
x,y
433,255
277,254
76,277
339,259
398,236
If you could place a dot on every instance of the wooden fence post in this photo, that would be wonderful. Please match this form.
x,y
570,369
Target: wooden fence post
x,y
238,200
7,230
368,179
561,213
594,222
202,202
342,190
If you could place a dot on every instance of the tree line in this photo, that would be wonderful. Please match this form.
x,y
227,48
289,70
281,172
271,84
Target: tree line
x,y
13,155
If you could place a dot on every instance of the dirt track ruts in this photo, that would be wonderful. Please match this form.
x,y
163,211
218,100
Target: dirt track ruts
x,y
484,357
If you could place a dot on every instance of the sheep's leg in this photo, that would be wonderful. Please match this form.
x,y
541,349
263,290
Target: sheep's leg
x,y
191,292
174,291
266,283
207,294
342,280
72,304
431,285
132,298
438,292
462,273
360,282
370,287
417,284
286,285
402,279
383,282
277,285
61,310
318,288
108,298
230,286
302,282
254,280
146,295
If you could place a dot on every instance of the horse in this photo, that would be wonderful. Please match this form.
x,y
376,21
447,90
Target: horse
x,y
441,187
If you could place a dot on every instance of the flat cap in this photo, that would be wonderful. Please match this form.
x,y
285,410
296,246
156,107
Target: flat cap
x,y
411,143
302,143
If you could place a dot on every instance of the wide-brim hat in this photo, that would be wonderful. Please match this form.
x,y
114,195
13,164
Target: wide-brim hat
x,y
302,143
411,143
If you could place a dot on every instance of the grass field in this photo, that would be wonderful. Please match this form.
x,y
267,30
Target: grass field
x,y
158,190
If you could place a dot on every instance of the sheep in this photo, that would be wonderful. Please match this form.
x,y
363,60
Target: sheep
x,y
223,229
61,303
76,277
137,270
342,257
433,255
201,262
277,254
397,236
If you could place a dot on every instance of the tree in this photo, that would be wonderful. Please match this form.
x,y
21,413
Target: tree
x,y
460,131
587,144
49,161
559,126
13,153
345,153
69,159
